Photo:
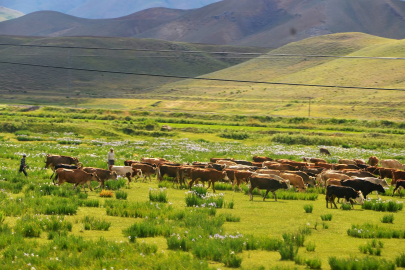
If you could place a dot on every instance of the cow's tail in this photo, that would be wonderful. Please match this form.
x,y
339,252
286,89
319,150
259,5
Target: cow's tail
x,y
158,173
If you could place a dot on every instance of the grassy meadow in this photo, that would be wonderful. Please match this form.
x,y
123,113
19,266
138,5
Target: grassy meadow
x,y
157,225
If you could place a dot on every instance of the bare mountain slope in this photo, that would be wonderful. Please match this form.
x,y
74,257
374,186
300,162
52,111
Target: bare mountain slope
x,y
264,23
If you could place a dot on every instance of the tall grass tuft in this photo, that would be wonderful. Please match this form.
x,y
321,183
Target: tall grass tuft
x,y
288,251
326,217
388,218
232,261
115,185
372,248
346,206
91,223
308,208
382,206
364,263
158,195
121,195
373,231
314,263
400,260
310,247
89,203
230,218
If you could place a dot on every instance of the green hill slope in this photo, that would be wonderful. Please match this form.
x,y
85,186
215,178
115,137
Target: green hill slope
x,y
327,102
8,14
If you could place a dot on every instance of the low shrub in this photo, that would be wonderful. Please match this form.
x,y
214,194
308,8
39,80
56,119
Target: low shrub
x,y
106,193
288,251
308,208
346,206
115,185
388,218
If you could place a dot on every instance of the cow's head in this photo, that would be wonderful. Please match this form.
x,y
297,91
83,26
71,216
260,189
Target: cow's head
x,y
113,175
285,184
380,188
360,198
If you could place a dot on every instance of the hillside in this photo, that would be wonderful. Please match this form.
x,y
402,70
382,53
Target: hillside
x,y
292,100
100,9
8,14
262,23
34,82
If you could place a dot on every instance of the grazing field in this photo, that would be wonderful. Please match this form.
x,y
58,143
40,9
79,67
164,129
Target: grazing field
x,y
149,225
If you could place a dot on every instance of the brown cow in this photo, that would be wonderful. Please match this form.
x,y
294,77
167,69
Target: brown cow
x,y
325,175
77,177
396,176
386,173
325,165
268,171
360,161
156,161
257,164
314,160
267,183
53,160
214,160
282,167
103,175
346,167
356,173
295,180
313,170
147,170
294,163
269,163
226,162
373,161
204,175
333,181
261,159
237,176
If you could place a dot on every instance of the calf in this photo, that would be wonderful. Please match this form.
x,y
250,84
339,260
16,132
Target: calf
x,y
125,171
103,175
364,186
348,193
205,175
147,170
267,183
295,180
77,177
324,151
399,184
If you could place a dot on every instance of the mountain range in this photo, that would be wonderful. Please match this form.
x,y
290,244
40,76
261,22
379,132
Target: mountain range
x,y
262,23
8,14
100,9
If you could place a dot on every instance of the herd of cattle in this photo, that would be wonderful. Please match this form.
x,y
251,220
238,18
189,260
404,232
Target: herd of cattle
x,y
349,179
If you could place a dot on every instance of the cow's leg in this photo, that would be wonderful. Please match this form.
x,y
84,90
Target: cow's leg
x,y
128,175
150,178
333,201
213,186
376,193
89,185
190,184
274,195
250,193
235,181
327,201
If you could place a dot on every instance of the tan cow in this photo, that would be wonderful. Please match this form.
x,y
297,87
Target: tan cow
x,y
360,161
392,163
314,160
268,171
373,161
295,180
332,181
146,170
325,175
156,161
347,161
77,177
226,162
268,163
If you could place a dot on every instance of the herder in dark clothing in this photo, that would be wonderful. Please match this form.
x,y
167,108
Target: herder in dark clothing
x,y
22,165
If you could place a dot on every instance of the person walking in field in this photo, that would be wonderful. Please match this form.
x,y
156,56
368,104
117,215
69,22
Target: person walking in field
x,y
23,165
110,158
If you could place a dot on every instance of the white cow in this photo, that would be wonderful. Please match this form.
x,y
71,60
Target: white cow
x,y
392,163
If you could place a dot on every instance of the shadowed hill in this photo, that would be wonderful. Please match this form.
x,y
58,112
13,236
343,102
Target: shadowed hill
x,y
8,14
37,81
263,23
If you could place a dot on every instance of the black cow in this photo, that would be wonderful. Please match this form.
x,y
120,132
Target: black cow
x,y
399,183
348,193
63,166
243,162
216,166
267,183
366,187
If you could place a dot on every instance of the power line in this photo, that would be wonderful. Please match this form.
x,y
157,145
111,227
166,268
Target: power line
x,y
202,52
201,78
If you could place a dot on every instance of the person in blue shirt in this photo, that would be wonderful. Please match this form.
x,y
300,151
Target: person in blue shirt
x,y
23,165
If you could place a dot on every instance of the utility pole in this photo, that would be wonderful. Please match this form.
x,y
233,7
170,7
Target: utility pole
x,y
309,106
